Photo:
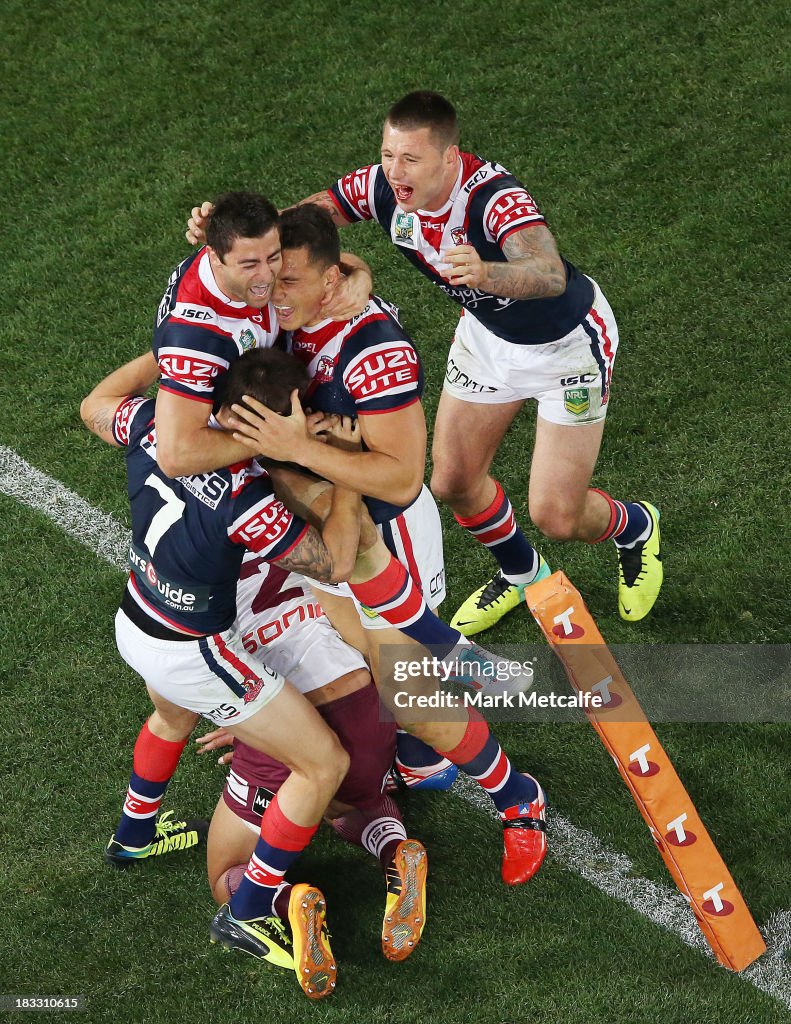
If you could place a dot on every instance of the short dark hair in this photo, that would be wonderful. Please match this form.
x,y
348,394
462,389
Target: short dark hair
x,y
312,228
267,374
426,109
239,215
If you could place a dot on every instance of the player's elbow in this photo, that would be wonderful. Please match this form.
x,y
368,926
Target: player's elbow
x,y
86,412
404,484
556,280
171,462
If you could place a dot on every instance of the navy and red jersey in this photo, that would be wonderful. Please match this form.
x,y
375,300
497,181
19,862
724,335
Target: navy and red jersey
x,y
189,535
487,204
199,331
365,366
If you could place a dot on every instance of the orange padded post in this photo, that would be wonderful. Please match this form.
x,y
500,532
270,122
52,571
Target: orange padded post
x,y
676,827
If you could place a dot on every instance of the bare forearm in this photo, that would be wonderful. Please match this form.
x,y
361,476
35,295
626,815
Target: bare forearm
x,y
199,451
533,280
341,532
351,263
325,200
373,474
97,409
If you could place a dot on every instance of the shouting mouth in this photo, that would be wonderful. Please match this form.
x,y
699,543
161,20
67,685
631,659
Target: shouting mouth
x,y
284,312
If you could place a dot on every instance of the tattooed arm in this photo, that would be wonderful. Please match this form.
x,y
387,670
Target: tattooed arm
x,y
328,555
98,409
534,269
325,201
311,557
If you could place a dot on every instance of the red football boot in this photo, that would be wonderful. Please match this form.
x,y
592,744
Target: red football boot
x,y
524,838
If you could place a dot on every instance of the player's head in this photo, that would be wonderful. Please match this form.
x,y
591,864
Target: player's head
x,y
266,374
311,266
243,240
420,150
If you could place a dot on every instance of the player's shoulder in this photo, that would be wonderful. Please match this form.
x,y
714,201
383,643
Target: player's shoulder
x,y
481,176
364,193
378,323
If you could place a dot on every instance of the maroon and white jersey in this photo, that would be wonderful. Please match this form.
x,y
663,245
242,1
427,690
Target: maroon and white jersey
x,y
199,331
486,205
282,624
271,602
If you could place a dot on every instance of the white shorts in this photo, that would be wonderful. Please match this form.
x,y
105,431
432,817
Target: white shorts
x,y
569,378
415,538
213,676
293,636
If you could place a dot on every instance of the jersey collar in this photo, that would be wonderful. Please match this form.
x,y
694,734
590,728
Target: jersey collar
x,y
209,282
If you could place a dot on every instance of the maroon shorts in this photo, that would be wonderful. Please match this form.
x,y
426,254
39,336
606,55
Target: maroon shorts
x,y
362,726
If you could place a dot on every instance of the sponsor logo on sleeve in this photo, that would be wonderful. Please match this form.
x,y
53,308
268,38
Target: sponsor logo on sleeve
x,y
509,208
124,417
354,187
263,526
190,369
387,370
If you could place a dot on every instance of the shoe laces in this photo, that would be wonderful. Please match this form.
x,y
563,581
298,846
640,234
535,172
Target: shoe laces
x,y
166,825
279,928
494,590
632,563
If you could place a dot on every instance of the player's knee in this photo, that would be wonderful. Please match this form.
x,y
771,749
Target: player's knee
x,y
450,487
556,521
330,764
172,723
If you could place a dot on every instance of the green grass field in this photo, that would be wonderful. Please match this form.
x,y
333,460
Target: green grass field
x,y
653,137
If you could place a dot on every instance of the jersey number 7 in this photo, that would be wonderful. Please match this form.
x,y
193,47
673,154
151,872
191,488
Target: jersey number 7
x,y
167,516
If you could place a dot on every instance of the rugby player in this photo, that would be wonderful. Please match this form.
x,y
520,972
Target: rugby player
x,y
532,327
175,628
281,622
216,306
365,367
383,587
171,633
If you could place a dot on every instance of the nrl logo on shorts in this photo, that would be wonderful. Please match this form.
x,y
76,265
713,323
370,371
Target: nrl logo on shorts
x,y
246,340
404,229
577,401
459,236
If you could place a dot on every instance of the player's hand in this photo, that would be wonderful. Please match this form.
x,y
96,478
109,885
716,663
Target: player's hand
x,y
213,741
196,225
345,434
463,266
319,424
350,296
266,432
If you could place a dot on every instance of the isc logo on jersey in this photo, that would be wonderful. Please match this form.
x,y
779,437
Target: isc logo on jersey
x,y
268,523
385,370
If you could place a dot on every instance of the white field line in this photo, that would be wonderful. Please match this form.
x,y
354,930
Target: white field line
x,y
575,848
